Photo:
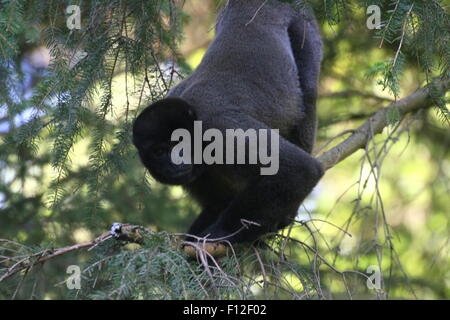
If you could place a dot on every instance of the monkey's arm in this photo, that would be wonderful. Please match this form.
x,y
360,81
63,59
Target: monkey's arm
x,y
270,200
212,196
306,46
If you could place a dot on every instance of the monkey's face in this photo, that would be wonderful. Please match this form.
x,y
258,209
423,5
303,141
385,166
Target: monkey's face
x,y
152,133
156,157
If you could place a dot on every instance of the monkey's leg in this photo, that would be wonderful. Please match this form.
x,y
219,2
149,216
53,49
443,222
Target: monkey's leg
x,y
269,200
212,196
205,219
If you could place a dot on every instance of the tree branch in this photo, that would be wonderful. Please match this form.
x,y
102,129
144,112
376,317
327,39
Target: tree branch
x,y
420,99
125,232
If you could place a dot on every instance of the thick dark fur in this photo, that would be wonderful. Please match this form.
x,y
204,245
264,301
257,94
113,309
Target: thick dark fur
x,y
261,71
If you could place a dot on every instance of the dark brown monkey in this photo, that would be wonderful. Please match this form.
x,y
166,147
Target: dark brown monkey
x,y
260,72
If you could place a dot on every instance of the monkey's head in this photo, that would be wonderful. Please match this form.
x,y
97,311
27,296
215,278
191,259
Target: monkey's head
x,y
152,133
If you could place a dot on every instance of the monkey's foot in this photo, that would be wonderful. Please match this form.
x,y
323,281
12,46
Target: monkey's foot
x,y
215,249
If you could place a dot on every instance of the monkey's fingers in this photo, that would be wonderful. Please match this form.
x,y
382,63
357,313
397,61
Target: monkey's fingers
x,y
216,249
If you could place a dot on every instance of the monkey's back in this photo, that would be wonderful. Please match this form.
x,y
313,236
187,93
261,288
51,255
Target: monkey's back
x,y
249,67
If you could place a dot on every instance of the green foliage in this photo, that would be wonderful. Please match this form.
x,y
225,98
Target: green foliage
x,y
390,72
158,270
154,271
419,29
